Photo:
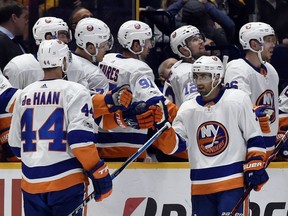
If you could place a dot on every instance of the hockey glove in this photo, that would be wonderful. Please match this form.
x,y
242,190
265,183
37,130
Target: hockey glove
x,y
139,116
255,173
119,98
263,114
102,181
160,102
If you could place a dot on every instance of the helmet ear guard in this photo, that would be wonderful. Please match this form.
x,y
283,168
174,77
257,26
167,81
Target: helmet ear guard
x,y
53,53
49,25
134,30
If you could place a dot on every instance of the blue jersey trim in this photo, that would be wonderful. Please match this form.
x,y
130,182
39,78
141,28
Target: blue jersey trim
x,y
50,170
216,172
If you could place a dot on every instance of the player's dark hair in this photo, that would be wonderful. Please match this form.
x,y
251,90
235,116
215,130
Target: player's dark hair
x,y
7,8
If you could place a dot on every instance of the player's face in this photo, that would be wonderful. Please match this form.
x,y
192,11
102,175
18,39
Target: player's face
x,y
149,44
104,47
196,45
269,44
63,36
203,82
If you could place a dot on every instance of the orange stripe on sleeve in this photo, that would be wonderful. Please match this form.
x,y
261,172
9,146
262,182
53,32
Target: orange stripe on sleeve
x,y
109,122
5,122
166,142
88,156
12,107
257,154
200,189
172,110
99,105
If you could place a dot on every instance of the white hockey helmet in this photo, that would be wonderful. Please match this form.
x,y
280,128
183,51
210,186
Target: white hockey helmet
x,y
134,30
179,36
51,54
52,25
94,31
254,30
209,64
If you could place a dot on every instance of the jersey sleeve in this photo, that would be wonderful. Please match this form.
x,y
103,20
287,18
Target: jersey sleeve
x,y
81,128
175,139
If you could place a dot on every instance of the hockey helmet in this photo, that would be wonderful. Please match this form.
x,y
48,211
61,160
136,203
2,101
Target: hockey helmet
x,y
209,64
256,31
52,25
51,53
94,31
179,36
134,30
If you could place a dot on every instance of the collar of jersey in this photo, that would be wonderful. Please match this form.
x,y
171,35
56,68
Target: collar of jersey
x,y
201,102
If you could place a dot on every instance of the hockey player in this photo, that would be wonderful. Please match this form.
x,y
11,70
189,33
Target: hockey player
x,y
93,39
52,131
25,69
188,44
257,77
7,98
129,68
220,132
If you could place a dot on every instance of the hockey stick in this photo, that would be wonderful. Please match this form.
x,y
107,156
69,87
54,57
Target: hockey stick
x,y
271,157
124,165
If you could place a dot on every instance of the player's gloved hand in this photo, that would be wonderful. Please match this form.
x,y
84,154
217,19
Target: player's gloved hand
x,y
102,181
255,173
263,114
119,98
139,116
160,102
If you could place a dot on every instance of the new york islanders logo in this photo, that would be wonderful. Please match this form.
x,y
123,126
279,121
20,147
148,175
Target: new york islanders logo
x,y
137,26
90,28
267,98
212,138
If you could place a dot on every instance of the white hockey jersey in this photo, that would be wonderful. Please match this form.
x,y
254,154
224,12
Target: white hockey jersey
x,y
97,82
261,84
181,82
23,70
8,95
52,123
218,135
123,142
283,100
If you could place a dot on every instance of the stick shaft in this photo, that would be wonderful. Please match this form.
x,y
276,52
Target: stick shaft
x,y
271,157
124,165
